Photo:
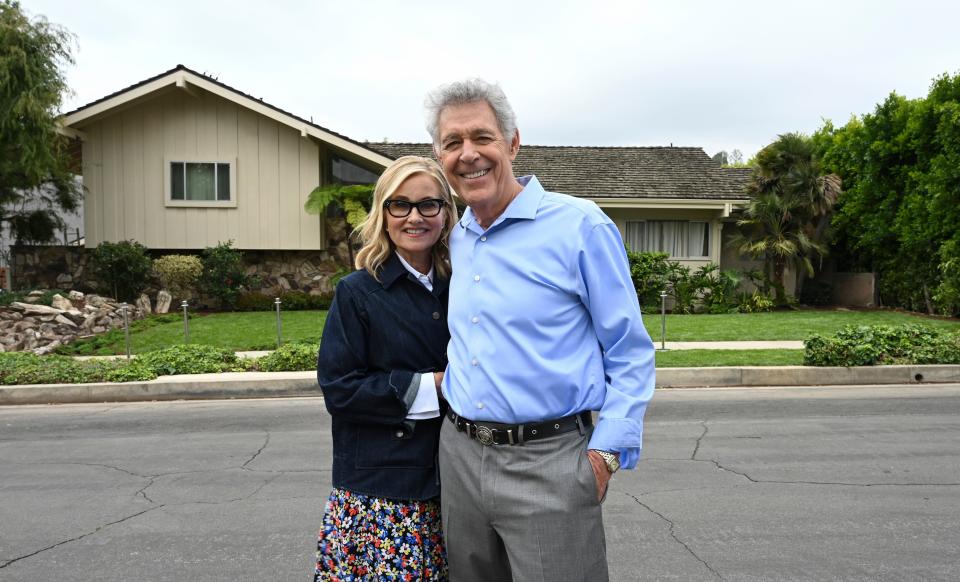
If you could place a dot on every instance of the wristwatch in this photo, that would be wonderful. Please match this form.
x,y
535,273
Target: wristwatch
x,y
611,459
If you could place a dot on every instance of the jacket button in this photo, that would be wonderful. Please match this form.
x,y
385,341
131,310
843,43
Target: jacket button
x,y
436,315
399,434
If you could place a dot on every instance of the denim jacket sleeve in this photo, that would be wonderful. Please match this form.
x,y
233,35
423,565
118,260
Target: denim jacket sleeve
x,y
351,388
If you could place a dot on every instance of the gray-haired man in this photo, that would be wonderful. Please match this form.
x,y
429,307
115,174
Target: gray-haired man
x,y
545,328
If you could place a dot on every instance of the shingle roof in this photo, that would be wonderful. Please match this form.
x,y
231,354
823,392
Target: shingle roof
x,y
616,172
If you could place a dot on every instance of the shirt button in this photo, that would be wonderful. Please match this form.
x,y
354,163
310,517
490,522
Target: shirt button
x,y
479,404
483,239
475,320
475,362
436,315
476,277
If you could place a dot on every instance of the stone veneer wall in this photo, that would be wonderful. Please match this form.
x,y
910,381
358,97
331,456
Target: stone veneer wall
x,y
61,267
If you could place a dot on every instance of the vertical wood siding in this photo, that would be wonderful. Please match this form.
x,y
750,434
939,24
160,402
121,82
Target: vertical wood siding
x,y
124,172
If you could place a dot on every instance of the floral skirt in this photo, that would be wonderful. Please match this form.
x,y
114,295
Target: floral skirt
x,y
370,538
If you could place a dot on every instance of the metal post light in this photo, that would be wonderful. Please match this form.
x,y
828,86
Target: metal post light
x,y
663,320
186,323
126,327
276,302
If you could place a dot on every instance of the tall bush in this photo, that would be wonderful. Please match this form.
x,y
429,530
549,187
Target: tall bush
x,y
223,273
649,273
121,268
178,274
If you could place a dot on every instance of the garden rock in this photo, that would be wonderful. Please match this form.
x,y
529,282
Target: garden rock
x,y
163,302
33,309
41,329
143,304
62,303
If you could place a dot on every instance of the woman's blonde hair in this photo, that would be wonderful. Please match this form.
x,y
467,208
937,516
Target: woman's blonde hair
x,y
376,243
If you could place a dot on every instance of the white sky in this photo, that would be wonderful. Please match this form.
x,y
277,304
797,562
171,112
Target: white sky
x,y
601,72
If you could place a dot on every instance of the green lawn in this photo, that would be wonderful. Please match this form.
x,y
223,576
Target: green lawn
x,y
778,325
257,331
234,331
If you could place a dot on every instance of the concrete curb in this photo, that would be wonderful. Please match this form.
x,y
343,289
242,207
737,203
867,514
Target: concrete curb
x,y
183,387
289,384
804,376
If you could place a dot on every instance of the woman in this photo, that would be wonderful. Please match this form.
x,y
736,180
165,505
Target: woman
x,y
380,365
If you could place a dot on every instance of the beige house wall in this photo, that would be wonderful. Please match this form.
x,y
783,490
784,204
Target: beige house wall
x,y
620,216
125,157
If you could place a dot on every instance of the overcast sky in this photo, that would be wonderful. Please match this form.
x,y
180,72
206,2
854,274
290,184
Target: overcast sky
x,y
718,75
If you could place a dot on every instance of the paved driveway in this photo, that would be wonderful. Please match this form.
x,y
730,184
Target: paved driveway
x,y
781,484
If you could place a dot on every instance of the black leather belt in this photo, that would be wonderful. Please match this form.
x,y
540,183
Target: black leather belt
x,y
495,433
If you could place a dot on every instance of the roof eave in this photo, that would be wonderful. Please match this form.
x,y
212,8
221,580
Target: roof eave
x,y
187,80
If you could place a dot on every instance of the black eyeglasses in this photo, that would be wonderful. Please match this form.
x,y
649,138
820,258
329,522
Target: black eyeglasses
x,y
401,208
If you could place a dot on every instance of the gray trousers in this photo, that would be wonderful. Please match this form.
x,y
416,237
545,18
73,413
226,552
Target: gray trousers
x,y
523,512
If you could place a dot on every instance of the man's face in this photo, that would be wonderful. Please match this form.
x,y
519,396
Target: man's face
x,y
477,159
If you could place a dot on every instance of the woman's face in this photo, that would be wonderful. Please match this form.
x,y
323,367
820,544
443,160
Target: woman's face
x,y
414,235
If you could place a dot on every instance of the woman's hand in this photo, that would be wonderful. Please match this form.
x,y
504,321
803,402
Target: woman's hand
x,y
438,380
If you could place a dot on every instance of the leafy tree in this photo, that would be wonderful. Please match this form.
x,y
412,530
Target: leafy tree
x,y
122,268
733,159
35,178
900,216
354,200
786,218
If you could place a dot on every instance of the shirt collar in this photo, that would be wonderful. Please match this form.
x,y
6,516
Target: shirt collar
x,y
523,207
417,274
391,270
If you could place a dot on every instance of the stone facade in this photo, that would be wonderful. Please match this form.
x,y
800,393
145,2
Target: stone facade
x,y
273,272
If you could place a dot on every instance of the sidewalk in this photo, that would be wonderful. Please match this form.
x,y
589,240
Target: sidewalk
x,y
290,384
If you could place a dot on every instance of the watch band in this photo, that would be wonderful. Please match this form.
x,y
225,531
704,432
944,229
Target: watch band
x,y
611,459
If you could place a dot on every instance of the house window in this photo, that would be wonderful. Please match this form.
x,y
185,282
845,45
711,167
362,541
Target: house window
x,y
201,183
685,239
346,172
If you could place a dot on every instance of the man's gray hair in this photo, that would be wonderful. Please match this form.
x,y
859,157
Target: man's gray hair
x,y
469,91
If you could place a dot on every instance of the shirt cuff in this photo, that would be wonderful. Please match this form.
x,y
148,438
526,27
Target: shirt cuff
x,y
425,404
621,435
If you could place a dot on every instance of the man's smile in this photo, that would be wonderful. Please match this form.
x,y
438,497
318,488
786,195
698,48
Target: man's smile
x,y
476,174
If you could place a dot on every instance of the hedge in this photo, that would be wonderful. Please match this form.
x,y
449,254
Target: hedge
x,y
871,345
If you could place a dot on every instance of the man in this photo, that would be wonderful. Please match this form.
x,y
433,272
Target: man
x,y
545,328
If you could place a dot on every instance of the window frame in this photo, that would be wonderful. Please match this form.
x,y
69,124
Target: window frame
x,y
709,237
168,162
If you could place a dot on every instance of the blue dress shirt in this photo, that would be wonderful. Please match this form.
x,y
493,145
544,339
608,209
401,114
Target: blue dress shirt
x,y
545,322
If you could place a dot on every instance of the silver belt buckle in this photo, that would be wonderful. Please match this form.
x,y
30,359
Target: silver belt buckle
x,y
484,435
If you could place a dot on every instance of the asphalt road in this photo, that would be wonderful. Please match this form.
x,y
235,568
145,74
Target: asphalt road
x,y
845,483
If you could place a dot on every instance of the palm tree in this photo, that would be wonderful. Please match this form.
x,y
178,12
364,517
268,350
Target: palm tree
x,y
354,200
789,211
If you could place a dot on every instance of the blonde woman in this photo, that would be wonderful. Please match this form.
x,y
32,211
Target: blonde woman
x,y
380,366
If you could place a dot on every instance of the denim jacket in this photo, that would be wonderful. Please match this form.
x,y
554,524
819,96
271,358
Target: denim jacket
x,y
378,337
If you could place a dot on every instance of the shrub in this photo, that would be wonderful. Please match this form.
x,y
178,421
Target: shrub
x,y
719,293
178,274
755,302
189,359
649,272
292,357
121,268
223,273
300,301
27,368
883,344
253,301
290,301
